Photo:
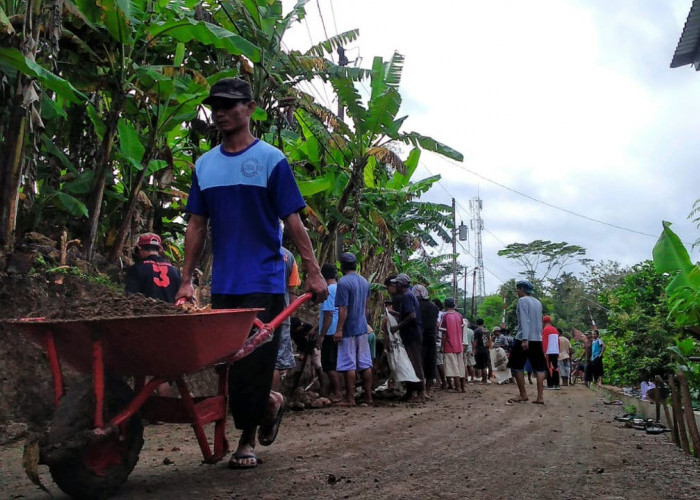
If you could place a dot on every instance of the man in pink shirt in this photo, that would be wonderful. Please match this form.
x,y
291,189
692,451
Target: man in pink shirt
x,y
451,327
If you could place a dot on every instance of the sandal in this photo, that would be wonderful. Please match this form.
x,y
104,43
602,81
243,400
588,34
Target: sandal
x,y
236,461
640,423
268,433
656,428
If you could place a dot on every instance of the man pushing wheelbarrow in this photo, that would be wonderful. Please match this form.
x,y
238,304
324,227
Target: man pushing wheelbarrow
x,y
244,188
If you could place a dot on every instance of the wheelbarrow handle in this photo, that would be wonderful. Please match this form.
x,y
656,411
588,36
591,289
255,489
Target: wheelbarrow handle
x,y
265,331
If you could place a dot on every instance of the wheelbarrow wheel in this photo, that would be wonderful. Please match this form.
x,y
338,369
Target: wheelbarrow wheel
x,y
84,468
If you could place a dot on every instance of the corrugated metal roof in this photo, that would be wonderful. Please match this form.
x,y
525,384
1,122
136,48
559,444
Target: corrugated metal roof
x,y
689,43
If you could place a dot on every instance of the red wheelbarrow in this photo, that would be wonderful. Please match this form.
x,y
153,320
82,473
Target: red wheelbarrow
x,y
96,433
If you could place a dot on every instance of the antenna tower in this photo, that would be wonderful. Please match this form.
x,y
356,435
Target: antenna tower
x,y
477,225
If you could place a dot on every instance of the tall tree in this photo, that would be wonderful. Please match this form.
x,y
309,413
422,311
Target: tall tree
x,y
542,259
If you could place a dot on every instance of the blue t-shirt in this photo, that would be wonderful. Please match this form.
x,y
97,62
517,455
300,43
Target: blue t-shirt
x,y
596,349
407,304
245,195
328,306
353,292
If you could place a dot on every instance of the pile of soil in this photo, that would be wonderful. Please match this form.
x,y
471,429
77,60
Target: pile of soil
x,y
63,296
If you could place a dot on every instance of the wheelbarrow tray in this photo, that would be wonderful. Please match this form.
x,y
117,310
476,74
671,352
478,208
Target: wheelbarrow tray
x,y
161,346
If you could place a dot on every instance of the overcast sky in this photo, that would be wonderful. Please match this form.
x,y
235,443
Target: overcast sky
x,y
568,102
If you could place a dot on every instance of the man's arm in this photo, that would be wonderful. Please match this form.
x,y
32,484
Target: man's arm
x,y
315,282
342,315
195,237
523,323
325,326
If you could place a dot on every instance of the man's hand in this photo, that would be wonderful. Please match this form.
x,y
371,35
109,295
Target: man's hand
x,y
394,328
316,284
524,345
338,336
186,292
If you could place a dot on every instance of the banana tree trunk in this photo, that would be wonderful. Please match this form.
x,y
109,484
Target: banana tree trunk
x,y
11,170
123,231
329,241
103,167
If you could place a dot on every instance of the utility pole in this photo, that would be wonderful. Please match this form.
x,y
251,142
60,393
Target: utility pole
x,y
454,251
477,224
464,303
473,293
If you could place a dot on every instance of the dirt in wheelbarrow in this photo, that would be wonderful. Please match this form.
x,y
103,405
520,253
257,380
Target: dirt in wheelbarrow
x,y
60,296
454,446
25,383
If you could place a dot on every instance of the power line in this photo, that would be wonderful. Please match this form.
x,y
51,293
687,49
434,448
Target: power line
x,y
546,203
496,237
458,204
486,268
323,22
335,26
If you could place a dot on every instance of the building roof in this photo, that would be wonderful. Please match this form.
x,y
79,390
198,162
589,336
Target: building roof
x,y
688,49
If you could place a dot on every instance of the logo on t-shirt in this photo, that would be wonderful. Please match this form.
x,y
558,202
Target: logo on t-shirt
x,y
250,167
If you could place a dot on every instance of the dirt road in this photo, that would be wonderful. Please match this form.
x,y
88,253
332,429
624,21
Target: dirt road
x,y
455,446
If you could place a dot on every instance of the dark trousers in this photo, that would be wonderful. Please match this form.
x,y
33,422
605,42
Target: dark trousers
x,y
250,379
553,378
429,355
413,348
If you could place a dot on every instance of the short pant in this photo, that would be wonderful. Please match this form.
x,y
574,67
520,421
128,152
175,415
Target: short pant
x,y
565,368
285,353
534,354
354,354
439,358
454,364
329,354
372,339
482,358
468,359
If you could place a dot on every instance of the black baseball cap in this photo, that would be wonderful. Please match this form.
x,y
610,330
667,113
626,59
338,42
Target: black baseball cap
x,y
229,88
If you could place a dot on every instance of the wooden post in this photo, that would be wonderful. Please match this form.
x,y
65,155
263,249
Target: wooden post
x,y
669,422
689,414
678,415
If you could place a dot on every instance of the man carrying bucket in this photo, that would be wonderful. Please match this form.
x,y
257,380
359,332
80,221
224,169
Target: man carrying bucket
x,y
242,189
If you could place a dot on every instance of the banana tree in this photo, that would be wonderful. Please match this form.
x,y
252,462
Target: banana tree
x,y
373,140
670,256
390,222
24,28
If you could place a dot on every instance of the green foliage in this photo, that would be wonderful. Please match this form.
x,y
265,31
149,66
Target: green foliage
x,y
491,310
682,351
569,302
638,334
670,256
